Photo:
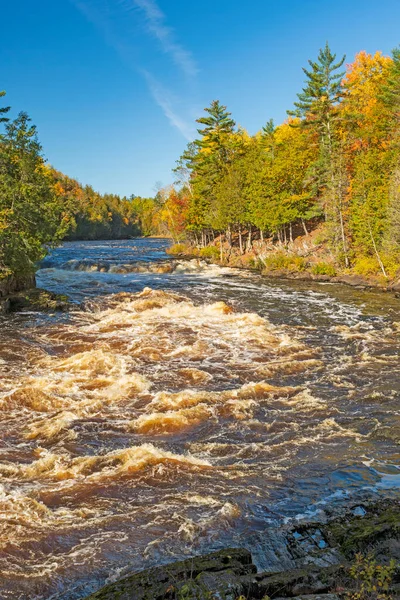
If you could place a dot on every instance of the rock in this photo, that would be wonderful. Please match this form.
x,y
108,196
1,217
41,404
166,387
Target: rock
x,y
12,284
321,553
325,278
39,300
314,597
191,578
395,287
310,580
355,280
378,530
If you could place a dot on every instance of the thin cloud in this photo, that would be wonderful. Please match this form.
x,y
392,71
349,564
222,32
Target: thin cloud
x,y
155,19
110,17
165,102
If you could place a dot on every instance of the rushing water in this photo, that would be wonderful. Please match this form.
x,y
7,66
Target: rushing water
x,y
186,408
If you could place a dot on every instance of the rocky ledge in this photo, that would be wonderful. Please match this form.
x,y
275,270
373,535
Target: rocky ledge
x,y
356,553
36,299
21,294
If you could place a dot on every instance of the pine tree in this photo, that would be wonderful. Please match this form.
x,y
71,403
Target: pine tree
x,y
321,95
207,159
4,110
391,90
317,110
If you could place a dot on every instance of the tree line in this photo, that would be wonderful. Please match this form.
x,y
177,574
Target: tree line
x,y
39,206
334,162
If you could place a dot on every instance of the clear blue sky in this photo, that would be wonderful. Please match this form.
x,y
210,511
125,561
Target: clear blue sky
x,y
115,86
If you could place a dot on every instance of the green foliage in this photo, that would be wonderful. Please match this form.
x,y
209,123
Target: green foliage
x,y
323,268
372,581
336,159
30,216
3,110
209,252
281,260
177,249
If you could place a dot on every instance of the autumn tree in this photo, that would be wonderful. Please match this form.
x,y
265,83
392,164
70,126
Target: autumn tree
x,y
318,110
207,160
368,162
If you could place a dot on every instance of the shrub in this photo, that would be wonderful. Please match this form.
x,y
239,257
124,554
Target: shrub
x,y
323,268
281,260
372,581
367,265
209,252
178,249
298,263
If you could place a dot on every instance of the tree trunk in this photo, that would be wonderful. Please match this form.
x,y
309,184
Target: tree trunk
x,y
284,235
221,254
261,236
376,251
291,232
249,243
229,237
344,241
304,226
240,240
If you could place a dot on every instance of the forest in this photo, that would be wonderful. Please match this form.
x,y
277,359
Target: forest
x,y
40,206
334,165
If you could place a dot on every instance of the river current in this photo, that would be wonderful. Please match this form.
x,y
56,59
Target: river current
x,y
181,408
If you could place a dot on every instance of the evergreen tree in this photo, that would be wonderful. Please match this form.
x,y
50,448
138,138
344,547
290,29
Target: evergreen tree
x,y
391,89
317,109
317,103
4,110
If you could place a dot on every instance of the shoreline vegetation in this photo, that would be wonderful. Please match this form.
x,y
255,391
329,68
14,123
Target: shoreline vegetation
x,y
318,195
290,263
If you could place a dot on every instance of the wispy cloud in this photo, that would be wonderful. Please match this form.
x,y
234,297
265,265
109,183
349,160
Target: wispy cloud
x,y
166,102
156,24
110,17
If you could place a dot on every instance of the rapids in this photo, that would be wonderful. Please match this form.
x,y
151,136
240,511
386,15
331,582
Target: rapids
x,y
186,408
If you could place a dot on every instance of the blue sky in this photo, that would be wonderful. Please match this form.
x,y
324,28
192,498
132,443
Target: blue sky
x,y
115,86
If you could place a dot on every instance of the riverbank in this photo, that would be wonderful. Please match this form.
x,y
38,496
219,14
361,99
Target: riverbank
x,y
356,552
20,294
12,285
278,263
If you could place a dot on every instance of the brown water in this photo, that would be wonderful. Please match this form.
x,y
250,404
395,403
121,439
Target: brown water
x,y
187,408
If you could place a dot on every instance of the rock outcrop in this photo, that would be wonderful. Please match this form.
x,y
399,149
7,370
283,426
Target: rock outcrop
x,y
322,553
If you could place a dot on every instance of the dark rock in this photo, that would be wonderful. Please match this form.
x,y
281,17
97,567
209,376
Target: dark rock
x,y
39,300
321,553
191,578
378,530
309,580
12,284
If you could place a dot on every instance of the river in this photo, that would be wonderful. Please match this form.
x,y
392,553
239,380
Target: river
x,y
188,407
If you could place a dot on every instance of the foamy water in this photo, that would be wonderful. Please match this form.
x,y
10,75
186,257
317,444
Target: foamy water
x,y
185,409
